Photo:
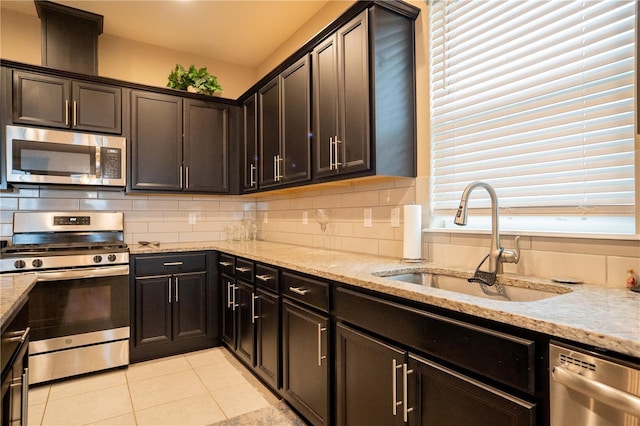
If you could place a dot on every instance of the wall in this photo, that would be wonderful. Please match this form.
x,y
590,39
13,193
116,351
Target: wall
x,y
280,214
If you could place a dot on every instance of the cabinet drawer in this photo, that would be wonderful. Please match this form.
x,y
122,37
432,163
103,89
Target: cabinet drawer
x,y
227,264
306,290
498,356
267,277
176,263
244,270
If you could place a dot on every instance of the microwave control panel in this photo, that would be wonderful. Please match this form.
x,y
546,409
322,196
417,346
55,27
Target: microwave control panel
x,y
111,159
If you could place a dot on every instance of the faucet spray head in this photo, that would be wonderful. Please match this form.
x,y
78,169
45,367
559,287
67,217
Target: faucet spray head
x,y
461,215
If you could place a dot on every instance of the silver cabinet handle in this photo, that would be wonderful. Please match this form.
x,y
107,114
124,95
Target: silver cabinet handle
x,y
225,263
66,112
275,168
180,176
336,141
599,391
75,113
320,356
169,285
331,153
177,285
394,385
235,305
299,290
20,336
252,178
242,269
172,263
264,277
405,378
253,308
228,295
186,176
25,396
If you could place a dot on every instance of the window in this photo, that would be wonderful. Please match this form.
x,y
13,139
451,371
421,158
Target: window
x,y
537,99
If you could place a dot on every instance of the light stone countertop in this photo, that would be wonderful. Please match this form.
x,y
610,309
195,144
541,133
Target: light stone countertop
x,y
591,314
14,290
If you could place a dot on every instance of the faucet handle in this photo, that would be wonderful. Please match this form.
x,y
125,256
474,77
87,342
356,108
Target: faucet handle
x,y
512,256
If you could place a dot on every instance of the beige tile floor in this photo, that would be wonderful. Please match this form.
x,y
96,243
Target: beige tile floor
x,y
198,388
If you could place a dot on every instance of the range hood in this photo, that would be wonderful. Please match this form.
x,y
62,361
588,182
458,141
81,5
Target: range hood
x,y
69,37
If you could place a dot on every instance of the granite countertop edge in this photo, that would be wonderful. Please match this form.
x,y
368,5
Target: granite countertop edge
x,y
592,314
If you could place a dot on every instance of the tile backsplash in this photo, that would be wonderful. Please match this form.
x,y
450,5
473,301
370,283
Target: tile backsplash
x,y
289,216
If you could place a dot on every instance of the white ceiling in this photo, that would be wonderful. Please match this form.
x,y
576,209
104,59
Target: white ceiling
x,y
243,32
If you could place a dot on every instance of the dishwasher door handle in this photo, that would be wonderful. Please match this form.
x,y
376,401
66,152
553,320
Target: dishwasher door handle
x,y
599,391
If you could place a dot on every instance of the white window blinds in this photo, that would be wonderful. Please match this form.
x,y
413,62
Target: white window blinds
x,y
537,99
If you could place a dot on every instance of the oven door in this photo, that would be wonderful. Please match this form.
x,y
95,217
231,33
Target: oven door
x,y
78,302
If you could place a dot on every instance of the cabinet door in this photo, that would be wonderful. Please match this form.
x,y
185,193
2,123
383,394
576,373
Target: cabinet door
x,y
353,96
156,141
189,305
443,397
267,337
325,106
368,380
205,146
96,107
305,345
41,100
250,145
229,295
269,133
296,110
245,317
153,310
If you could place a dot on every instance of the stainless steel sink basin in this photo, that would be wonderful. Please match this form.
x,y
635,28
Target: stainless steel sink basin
x,y
461,285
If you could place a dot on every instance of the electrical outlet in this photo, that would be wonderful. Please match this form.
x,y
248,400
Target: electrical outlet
x,y
395,217
193,218
368,218
305,218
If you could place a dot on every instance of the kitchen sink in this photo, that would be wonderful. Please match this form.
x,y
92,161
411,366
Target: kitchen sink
x,y
461,285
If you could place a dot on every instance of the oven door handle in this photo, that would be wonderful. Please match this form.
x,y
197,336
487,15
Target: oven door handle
x,y
599,391
110,271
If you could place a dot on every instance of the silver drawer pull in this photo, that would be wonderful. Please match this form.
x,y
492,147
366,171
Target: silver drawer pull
x,y
172,263
19,336
242,269
299,290
225,263
320,356
264,277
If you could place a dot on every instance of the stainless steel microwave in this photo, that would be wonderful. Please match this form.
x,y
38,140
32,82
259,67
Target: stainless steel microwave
x,y
42,156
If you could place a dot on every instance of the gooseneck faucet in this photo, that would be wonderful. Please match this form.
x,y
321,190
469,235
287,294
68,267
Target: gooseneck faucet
x,y
497,255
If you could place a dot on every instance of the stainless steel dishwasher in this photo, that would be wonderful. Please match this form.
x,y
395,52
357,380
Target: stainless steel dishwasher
x,y
589,389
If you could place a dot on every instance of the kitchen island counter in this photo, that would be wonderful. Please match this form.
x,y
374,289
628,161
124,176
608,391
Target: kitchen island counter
x,y
14,290
589,313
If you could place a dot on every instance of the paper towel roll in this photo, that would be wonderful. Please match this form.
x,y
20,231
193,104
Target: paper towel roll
x,y
412,241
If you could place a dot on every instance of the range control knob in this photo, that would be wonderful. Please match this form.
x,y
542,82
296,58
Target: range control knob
x,y
112,258
37,263
19,264
97,259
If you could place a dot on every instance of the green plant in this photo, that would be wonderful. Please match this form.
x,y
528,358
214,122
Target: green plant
x,y
199,79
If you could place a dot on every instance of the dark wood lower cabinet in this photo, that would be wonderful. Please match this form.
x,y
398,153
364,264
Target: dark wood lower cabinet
x,y
229,311
368,385
305,362
245,325
443,397
381,384
173,305
267,363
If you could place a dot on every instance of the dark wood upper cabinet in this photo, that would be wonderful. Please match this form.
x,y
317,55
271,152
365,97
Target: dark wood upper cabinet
x,y
284,114
205,146
50,101
364,114
250,144
156,141
163,159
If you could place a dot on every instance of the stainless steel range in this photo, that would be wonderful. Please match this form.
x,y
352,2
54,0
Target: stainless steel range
x,y
79,307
